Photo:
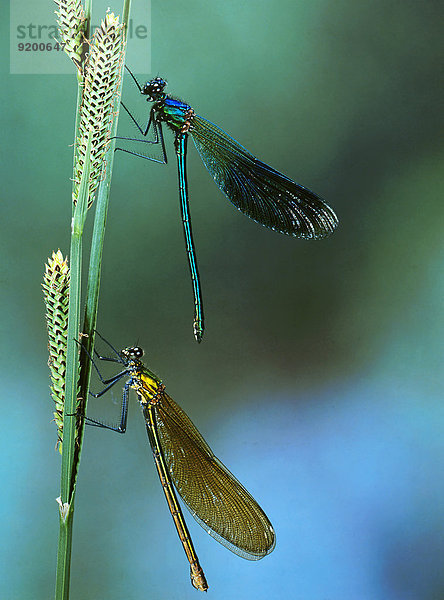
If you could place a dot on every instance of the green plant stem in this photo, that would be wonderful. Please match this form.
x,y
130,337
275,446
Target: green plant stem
x,y
72,443
88,13
98,238
78,387
66,509
126,14
64,551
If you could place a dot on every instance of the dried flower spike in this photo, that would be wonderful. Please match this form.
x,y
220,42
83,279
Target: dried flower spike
x,y
56,293
71,22
102,72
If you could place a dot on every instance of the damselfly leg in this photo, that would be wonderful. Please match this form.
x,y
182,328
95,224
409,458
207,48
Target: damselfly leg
x,y
108,384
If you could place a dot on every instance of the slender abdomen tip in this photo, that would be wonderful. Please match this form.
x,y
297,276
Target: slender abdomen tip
x,y
198,332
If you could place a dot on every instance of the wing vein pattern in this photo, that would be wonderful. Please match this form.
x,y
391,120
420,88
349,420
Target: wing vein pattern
x,y
259,191
216,499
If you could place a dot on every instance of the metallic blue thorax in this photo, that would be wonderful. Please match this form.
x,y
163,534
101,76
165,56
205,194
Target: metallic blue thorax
x,y
174,113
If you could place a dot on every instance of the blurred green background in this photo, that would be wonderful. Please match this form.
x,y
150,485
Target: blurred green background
x,y
319,379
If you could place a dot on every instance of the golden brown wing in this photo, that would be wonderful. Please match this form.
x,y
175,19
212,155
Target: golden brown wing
x,y
216,499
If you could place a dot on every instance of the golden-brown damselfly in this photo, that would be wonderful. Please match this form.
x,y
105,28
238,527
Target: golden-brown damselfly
x,y
186,464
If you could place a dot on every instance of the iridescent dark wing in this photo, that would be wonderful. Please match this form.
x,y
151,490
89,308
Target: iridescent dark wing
x,y
259,191
216,499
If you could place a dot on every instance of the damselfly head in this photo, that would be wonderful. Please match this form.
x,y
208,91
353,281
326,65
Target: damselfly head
x,y
154,89
132,352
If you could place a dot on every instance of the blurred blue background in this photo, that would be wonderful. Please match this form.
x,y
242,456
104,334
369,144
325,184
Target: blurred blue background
x,y
319,379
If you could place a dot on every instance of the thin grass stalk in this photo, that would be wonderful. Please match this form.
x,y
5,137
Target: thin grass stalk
x,y
66,501
73,27
98,237
96,122
102,74
88,13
